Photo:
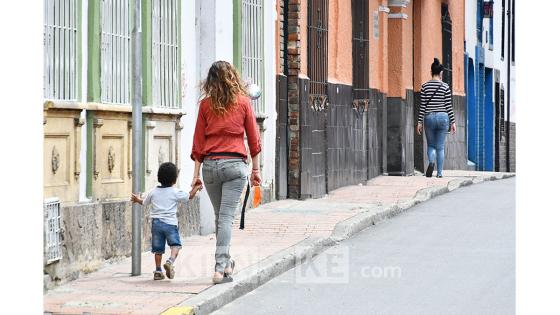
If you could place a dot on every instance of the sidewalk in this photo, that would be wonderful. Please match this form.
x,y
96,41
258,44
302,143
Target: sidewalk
x,y
267,247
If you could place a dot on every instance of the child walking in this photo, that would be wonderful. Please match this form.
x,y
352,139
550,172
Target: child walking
x,y
164,199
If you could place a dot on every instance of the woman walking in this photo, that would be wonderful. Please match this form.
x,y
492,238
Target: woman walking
x,y
435,115
224,116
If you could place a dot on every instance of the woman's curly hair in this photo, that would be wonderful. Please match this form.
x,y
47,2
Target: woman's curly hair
x,y
222,86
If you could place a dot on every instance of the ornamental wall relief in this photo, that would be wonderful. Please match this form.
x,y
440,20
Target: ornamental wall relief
x,y
111,159
161,156
55,160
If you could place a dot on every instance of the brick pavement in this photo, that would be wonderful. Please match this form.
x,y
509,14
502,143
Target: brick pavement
x,y
269,229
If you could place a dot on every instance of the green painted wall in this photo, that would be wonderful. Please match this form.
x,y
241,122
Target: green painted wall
x,y
147,52
79,50
237,34
94,52
89,154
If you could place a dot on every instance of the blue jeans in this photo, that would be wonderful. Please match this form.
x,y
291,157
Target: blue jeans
x,y
162,232
436,125
225,180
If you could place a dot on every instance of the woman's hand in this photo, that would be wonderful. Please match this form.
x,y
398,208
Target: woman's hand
x,y
255,178
196,182
453,128
419,128
195,187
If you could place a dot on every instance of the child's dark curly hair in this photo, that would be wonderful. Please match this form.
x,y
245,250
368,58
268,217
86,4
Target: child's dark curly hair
x,y
167,174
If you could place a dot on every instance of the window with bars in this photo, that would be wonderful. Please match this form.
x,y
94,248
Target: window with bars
x,y
115,51
165,54
492,25
283,31
360,48
252,38
503,27
60,49
317,50
513,30
502,118
53,249
447,48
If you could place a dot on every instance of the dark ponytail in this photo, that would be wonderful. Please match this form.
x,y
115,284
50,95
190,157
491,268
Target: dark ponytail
x,y
437,67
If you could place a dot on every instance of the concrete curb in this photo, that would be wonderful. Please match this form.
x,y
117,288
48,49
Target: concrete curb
x,y
256,275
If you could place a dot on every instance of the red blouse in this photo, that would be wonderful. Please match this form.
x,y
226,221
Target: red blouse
x,y
214,134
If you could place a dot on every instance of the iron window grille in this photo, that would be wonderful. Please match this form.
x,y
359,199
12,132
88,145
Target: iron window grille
x,y
115,52
502,118
252,41
360,54
165,53
60,33
447,45
52,230
512,30
317,52
283,31
503,27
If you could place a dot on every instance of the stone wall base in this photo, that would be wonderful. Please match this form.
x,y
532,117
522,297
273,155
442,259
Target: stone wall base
x,y
96,233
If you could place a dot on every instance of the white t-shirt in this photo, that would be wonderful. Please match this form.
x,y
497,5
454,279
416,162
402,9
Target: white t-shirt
x,y
164,203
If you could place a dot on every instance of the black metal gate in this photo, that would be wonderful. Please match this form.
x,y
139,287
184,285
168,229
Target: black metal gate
x,y
360,91
317,52
360,49
447,45
314,102
499,125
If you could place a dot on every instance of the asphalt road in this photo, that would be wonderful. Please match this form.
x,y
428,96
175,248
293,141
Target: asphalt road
x,y
454,254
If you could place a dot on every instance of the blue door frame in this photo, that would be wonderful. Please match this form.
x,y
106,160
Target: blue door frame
x,y
480,114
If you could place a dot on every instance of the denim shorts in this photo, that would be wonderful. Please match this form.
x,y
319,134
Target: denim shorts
x,y
162,232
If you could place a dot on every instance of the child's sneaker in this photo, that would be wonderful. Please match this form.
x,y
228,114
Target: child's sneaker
x,y
158,275
169,269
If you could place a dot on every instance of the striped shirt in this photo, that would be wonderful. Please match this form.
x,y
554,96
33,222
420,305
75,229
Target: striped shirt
x,y
440,102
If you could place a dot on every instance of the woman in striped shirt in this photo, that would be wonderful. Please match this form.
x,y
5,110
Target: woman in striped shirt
x,y
435,115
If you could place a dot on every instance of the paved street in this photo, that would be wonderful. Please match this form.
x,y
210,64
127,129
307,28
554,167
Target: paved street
x,y
454,254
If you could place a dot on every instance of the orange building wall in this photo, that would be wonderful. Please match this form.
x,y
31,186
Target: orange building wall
x,y
400,53
340,42
408,51
427,41
303,36
384,49
457,11
378,48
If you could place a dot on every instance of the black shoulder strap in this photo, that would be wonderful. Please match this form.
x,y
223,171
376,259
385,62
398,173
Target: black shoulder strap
x,y
242,220
439,87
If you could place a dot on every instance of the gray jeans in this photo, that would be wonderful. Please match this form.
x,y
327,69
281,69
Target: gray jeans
x,y
224,180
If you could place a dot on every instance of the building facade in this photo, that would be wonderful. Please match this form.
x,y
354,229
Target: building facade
x,y
348,78
340,81
490,81
87,113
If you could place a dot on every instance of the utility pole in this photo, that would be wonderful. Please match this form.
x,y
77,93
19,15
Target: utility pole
x,y
136,135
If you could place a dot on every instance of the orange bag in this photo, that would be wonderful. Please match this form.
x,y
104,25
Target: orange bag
x,y
257,196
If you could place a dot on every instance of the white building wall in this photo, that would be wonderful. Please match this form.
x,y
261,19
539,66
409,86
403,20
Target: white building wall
x,y
499,63
207,36
189,62
470,27
269,141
